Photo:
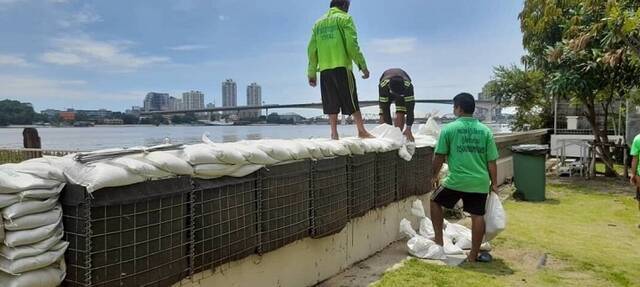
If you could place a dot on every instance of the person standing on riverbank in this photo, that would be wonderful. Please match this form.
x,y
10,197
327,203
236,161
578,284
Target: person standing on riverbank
x,y
332,50
396,87
470,150
635,168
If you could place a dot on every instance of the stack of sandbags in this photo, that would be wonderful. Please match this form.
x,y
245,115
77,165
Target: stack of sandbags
x,y
32,250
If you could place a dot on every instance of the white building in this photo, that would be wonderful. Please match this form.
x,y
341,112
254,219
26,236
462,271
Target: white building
x,y
175,104
193,100
254,99
229,93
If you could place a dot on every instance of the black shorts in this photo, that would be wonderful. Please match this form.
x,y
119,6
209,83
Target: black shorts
x,y
339,92
473,203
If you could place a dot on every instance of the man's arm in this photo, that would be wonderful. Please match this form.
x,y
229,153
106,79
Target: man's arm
x,y
411,105
634,171
493,173
312,51
353,48
438,161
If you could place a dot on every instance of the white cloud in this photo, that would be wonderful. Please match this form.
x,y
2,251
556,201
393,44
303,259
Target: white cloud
x,y
394,46
89,53
85,16
188,47
12,60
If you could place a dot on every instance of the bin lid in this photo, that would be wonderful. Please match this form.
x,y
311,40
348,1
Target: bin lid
x,y
534,149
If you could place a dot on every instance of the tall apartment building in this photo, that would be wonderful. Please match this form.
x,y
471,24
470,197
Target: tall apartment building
x,y
229,93
156,102
193,100
254,99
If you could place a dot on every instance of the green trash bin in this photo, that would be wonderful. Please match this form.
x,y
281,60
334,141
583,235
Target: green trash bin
x,y
529,171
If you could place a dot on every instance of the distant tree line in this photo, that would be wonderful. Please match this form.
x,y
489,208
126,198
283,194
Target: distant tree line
x,y
17,113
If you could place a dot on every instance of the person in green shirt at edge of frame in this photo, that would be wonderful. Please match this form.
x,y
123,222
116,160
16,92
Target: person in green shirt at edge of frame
x,y
470,150
635,175
332,50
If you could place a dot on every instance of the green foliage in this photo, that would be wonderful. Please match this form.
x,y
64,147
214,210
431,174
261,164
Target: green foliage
x,y
515,87
16,113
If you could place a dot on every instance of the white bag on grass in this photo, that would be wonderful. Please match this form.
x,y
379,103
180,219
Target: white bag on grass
x,y
26,237
12,181
426,226
43,246
35,220
28,207
26,264
450,248
406,229
42,193
461,235
495,217
51,276
419,246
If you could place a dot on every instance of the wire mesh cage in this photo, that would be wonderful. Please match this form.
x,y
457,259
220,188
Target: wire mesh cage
x,y
386,178
423,170
285,204
330,197
136,235
406,177
361,174
225,220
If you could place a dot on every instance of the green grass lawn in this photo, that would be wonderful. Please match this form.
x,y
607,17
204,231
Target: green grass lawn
x,y
588,229
600,168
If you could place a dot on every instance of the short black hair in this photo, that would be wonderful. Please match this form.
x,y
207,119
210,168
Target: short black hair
x,y
339,3
397,86
466,102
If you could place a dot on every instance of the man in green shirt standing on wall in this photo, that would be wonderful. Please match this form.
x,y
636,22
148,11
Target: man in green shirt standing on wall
x,y
635,168
470,150
332,50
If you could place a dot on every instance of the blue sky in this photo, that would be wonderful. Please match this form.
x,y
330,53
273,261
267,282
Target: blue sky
x,y
90,54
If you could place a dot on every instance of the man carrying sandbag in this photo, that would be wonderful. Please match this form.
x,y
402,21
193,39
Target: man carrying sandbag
x,y
635,168
333,49
396,87
470,150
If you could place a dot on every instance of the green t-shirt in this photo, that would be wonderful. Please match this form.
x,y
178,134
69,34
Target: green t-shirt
x,y
334,44
635,150
469,147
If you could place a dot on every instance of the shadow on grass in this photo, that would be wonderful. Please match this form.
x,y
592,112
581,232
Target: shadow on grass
x,y
496,268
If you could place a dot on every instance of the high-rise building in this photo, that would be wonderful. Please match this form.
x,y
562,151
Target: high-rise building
x,y
229,93
193,100
156,102
175,104
254,98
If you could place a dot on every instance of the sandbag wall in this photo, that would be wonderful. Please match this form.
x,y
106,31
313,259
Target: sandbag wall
x,y
159,232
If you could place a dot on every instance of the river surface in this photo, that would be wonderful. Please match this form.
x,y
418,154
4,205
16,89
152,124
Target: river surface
x,y
100,137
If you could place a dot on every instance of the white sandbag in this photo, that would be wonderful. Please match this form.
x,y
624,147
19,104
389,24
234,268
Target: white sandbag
x,y
461,235
431,128
424,248
29,207
202,154
355,145
425,141
274,150
41,193
8,199
495,217
417,209
210,171
406,229
297,150
227,153
1,232
37,248
325,148
36,220
246,170
391,134
100,175
12,181
450,248
444,172
40,167
411,148
332,148
19,266
170,161
312,147
26,237
253,154
426,226
47,277
404,154
372,145
138,165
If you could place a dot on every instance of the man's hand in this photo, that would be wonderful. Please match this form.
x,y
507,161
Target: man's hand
x,y
409,135
365,74
495,189
435,183
313,82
